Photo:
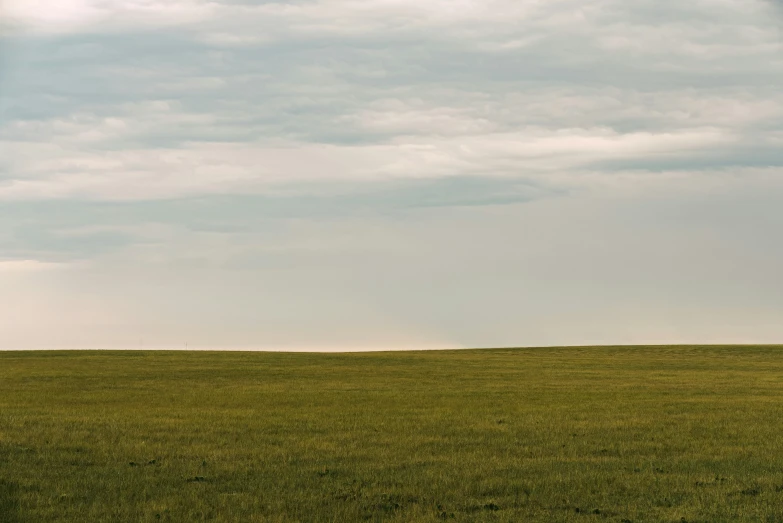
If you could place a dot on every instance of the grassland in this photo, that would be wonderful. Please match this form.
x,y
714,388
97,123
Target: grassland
x,y
576,434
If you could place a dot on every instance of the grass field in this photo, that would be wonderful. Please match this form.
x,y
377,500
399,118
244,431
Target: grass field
x,y
663,434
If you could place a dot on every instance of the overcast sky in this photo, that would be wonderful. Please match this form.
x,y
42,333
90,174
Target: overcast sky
x,y
372,174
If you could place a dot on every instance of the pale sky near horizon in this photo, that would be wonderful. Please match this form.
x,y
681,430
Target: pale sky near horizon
x,y
366,174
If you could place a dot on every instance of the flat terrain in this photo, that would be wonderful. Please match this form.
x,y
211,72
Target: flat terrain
x,y
575,434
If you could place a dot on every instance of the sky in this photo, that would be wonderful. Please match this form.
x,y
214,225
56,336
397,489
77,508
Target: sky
x,y
390,174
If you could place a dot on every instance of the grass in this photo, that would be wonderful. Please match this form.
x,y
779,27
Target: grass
x,y
574,434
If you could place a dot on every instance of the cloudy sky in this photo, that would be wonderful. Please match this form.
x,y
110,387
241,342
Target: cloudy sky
x,y
371,174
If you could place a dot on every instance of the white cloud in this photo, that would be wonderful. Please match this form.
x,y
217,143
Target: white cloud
x,y
69,170
71,16
47,15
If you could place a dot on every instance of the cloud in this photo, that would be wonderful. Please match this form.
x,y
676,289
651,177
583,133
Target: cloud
x,y
44,15
62,230
229,228
240,97
72,16
389,79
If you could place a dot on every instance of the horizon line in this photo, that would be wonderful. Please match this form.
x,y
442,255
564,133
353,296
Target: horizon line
x,y
405,349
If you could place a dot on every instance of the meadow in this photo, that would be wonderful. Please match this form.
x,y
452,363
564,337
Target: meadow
x,y
620,434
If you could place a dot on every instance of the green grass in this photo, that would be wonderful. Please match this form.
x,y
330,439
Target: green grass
x,y
575,434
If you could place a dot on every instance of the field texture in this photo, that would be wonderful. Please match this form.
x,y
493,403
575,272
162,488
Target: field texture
x,y
658,434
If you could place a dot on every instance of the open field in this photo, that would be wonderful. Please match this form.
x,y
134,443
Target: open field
x,y
576,434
